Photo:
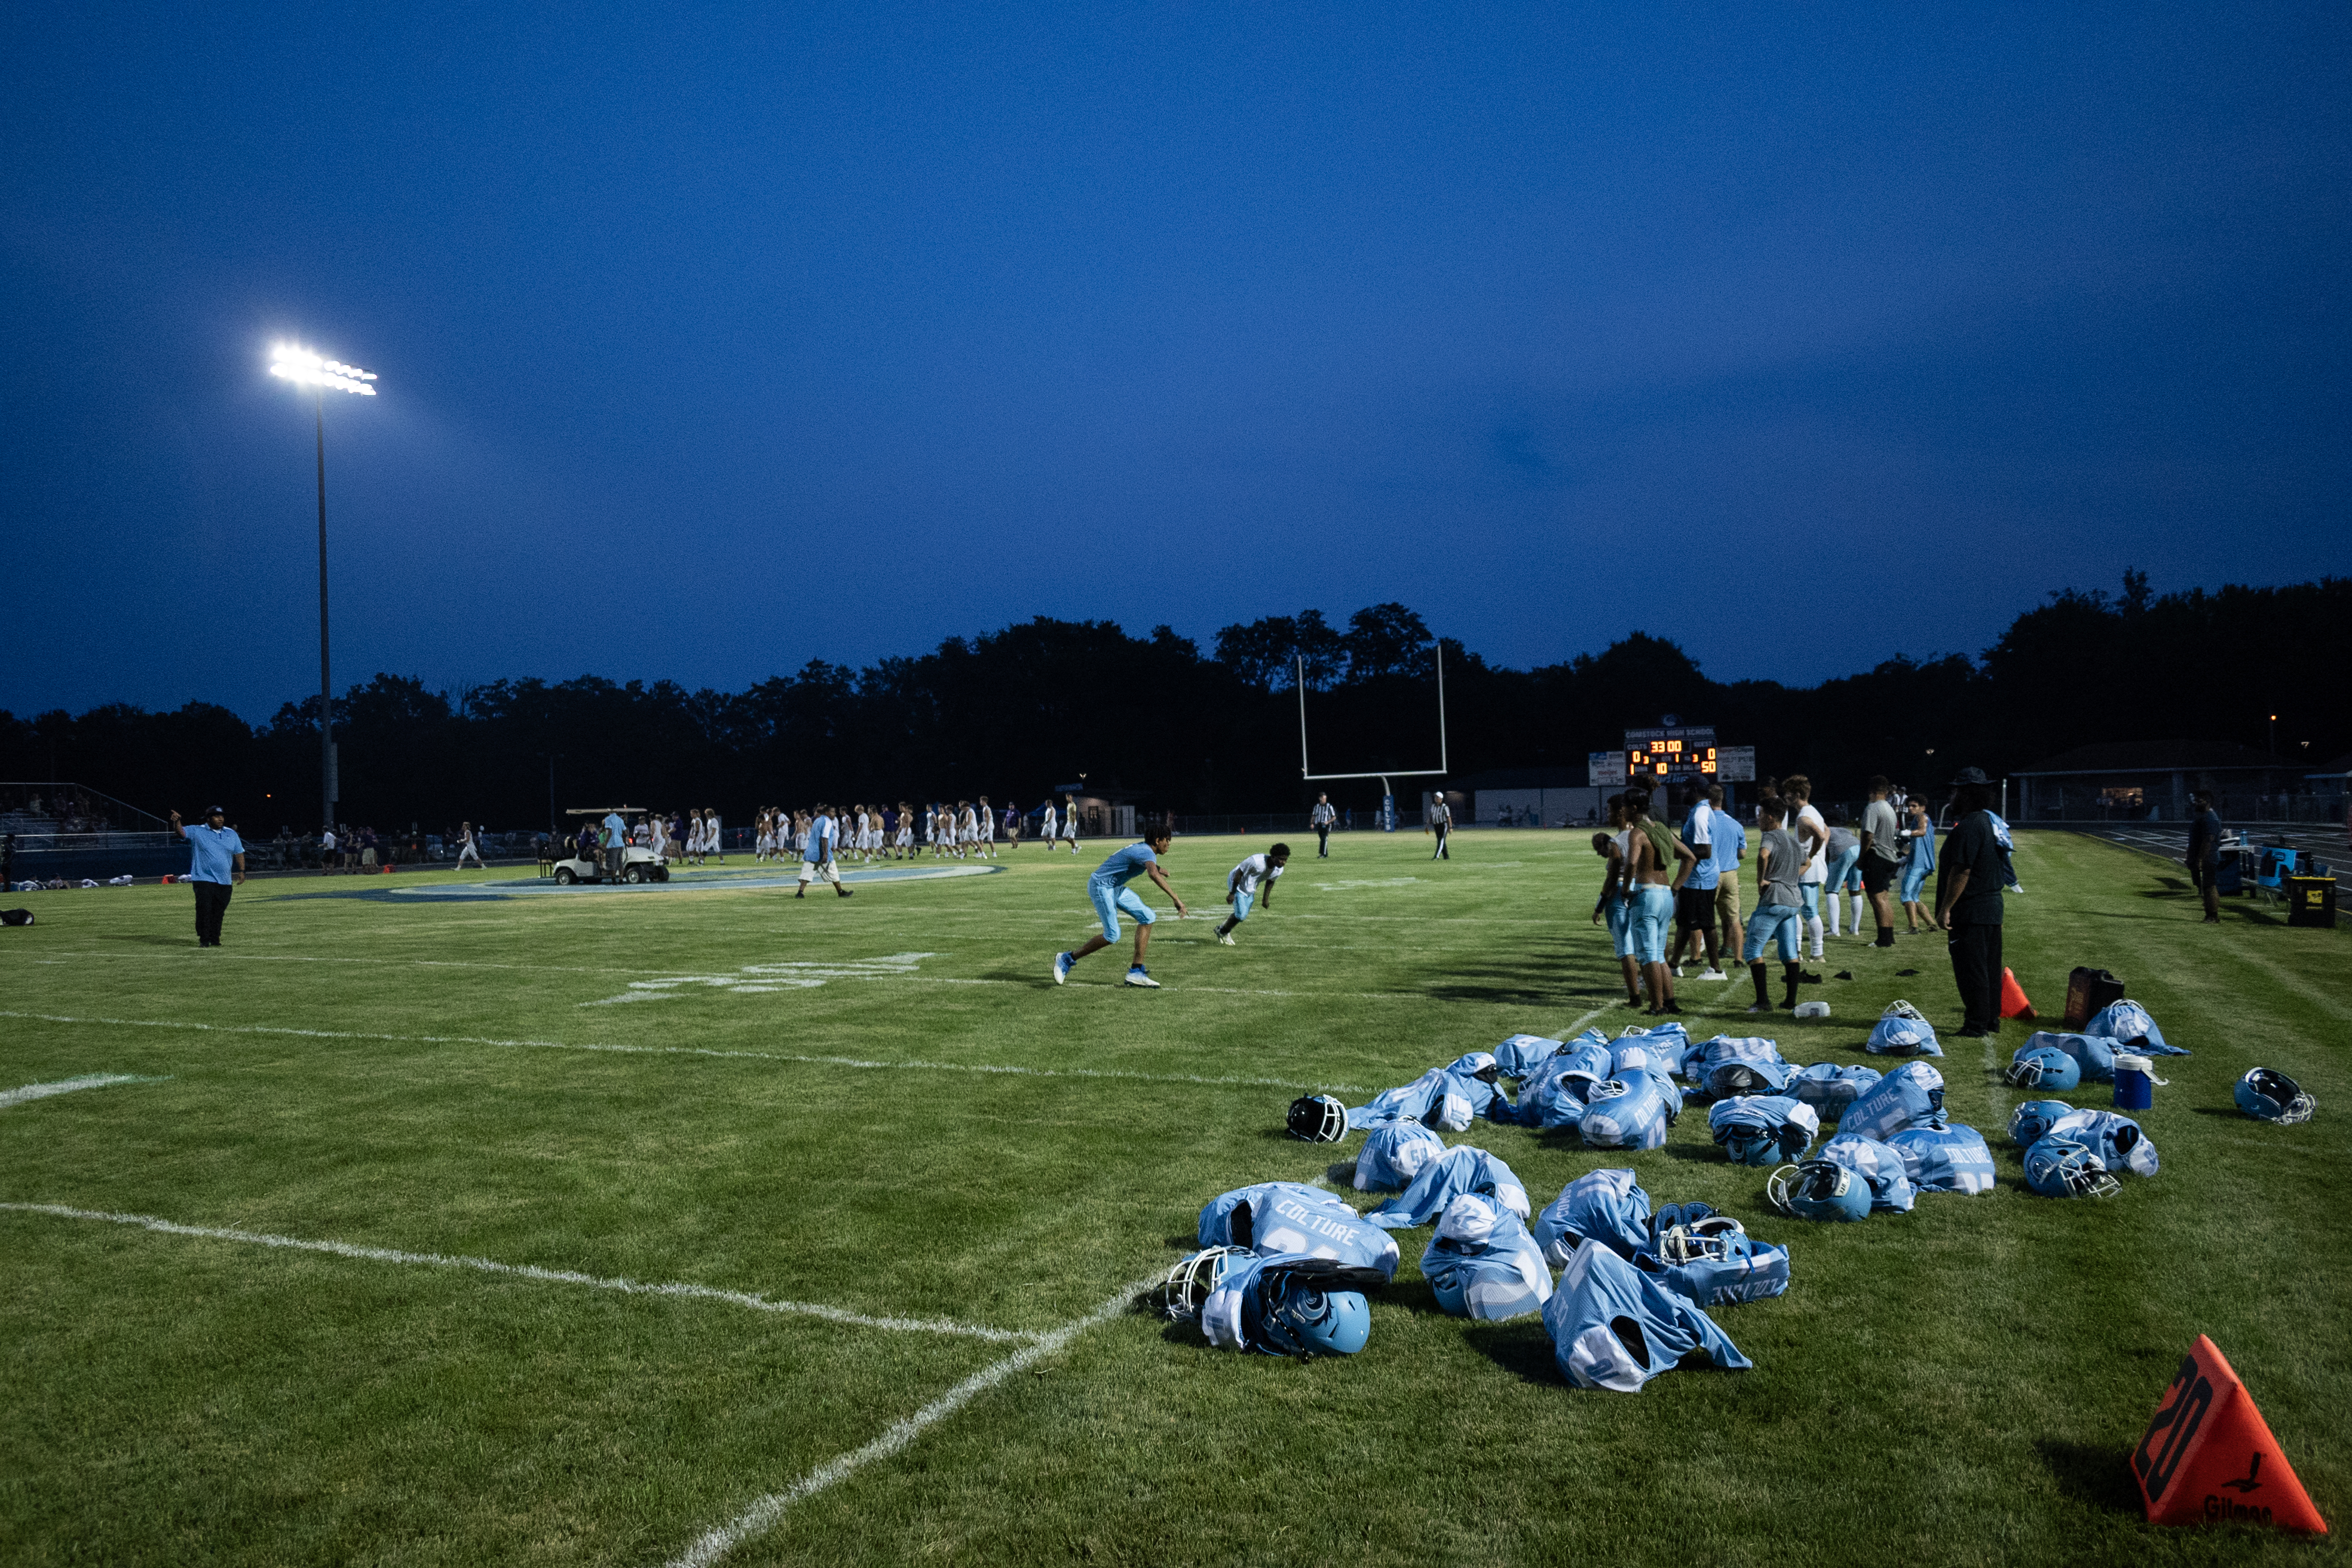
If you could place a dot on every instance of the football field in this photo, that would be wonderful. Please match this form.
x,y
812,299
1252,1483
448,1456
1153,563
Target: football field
x,y
452,1219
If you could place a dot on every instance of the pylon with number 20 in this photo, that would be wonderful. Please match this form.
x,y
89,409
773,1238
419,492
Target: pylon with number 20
x,y
2209,1455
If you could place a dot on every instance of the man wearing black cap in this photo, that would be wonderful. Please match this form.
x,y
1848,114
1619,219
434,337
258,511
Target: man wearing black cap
x,y
1969,876
216,863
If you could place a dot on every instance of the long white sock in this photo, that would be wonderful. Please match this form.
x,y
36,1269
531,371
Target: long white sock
x,y
1832,902
1859,899
1814,925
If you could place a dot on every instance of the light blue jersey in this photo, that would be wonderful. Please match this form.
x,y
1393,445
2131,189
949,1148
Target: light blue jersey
x,y
1614,1327
1944,1159
1395,1155
1831,1087
1743,1270
1910,1096
1730,1064
1286,1217
1516,1056
819,848
1627,1113
1553,1094
2129,1023
1125,865
1483,1264
1607,1207
1763,1129
1877,1164
1898,1036
1438,1098
1668,1045
2115,1138
1458,1170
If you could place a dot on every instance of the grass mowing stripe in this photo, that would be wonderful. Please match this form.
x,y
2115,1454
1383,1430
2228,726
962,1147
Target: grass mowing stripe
x,y
762,1515
67,1085
755,1302
856,1062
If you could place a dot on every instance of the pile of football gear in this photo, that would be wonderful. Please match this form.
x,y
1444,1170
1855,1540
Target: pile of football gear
x,y
1903,1032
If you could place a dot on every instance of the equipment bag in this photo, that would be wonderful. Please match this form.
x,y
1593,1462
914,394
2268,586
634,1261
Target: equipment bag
x,y
2088,990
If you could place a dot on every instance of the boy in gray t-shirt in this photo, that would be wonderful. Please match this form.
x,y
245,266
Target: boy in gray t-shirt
x,y
1779,906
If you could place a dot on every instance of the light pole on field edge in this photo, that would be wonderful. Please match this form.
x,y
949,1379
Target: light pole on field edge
x,y
299,365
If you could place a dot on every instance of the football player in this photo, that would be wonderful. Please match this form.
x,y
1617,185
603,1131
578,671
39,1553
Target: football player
x,y
1107,886
1253,879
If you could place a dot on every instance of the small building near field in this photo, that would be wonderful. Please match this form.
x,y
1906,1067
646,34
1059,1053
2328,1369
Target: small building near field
x,y
1528,797
2151,780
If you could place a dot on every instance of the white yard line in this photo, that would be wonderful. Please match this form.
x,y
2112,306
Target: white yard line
x,y
764,1513
855,1062
757,1303
67,1086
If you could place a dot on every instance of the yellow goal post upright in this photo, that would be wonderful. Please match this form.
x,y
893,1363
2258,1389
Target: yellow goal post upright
x,y
1388,794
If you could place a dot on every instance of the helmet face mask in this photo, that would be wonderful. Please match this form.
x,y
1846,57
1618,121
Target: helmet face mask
x,y
1706,1238
2044,1066
1194,1278
2270,1095
2060,1167
1901,1009
1317,1119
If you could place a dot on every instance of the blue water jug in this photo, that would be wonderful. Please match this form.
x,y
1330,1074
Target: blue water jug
x,y
2135,1082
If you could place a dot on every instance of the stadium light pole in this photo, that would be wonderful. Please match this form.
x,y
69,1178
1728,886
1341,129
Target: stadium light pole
x,y
290,362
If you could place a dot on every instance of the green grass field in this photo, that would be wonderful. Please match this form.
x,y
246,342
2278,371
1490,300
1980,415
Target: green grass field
x,y
881,1109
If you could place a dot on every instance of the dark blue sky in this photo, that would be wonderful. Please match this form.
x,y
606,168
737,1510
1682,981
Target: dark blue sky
x,y
716,339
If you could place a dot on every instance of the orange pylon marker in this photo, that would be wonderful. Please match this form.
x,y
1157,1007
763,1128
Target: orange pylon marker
x,y
2209,1455
2013,1003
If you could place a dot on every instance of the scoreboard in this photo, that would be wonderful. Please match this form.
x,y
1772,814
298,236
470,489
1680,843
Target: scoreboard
x,y
1672,754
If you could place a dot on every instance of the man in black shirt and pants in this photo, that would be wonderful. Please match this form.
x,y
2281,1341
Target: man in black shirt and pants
x,y
1969,876
2205,855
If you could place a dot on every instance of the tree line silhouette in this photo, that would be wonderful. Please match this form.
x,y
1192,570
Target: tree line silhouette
x,y
1016,711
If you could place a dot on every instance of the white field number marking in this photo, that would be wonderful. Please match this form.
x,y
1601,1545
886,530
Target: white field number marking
x,y
755,979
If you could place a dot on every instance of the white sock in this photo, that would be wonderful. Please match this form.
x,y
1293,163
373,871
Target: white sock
x,y
1859,899
1833,902
1814,925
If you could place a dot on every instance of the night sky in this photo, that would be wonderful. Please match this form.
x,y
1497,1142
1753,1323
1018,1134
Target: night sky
x,y
714,341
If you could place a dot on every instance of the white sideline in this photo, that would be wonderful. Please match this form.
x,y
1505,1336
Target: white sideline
x,y
762,1515
67,1086
983,1068
546,1276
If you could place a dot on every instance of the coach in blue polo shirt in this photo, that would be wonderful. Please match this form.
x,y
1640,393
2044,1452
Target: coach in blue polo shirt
x,y
216,864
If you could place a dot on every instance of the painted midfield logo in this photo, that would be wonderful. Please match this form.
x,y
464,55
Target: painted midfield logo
x,y
753,979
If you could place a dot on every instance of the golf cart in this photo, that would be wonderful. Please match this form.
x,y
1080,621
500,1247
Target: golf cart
x,y
638,864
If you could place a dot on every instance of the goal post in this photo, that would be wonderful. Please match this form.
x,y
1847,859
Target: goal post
x,y
1388,794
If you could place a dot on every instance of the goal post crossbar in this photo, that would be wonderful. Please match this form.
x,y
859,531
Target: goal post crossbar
x,y
1304,770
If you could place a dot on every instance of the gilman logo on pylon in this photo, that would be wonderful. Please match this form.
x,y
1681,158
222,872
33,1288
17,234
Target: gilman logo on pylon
x,y
2188,1459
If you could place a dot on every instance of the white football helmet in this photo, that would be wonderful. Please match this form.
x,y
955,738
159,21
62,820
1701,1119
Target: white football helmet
x,y
1705,1238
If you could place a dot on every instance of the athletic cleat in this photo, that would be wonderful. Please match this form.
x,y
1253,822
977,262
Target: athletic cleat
x,y
1226,940
1678,972
1139,976
1063,963
1759,1007
1715,974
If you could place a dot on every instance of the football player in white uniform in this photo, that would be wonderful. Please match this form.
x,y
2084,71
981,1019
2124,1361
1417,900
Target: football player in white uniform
x,y
1245,883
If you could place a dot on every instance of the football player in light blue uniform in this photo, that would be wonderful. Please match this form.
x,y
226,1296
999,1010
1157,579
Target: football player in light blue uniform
x,y
1605,1206
1715,1262
2115,1138
1457,1171
2128,1022
1763,1129
1944,1159
1290,1307
1910,1096
1107,888
1289,1218
1438,1098
1631,1112
1831,1087
1395,1155
2094,1054
1902,1032
1614,1327
1483,1264
1876,1163
1739,1065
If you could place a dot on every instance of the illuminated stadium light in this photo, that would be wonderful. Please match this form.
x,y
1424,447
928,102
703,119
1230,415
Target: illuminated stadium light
x,y
293,363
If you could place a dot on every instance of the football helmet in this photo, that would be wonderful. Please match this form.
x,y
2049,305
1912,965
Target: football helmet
x,y
1317,1119
1299,1315
2032,1121
1899,1008
1675,1215
2271,1095
1818,1190
2043,1067
1480,1065
2058,1167
1712,1237
1195,1278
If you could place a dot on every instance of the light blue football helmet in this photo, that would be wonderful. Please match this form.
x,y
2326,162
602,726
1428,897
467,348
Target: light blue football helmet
x,y
1196,1278
2059,1167
2272,1096
1818,1190
1299,1315
2043,1067
2032,1121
